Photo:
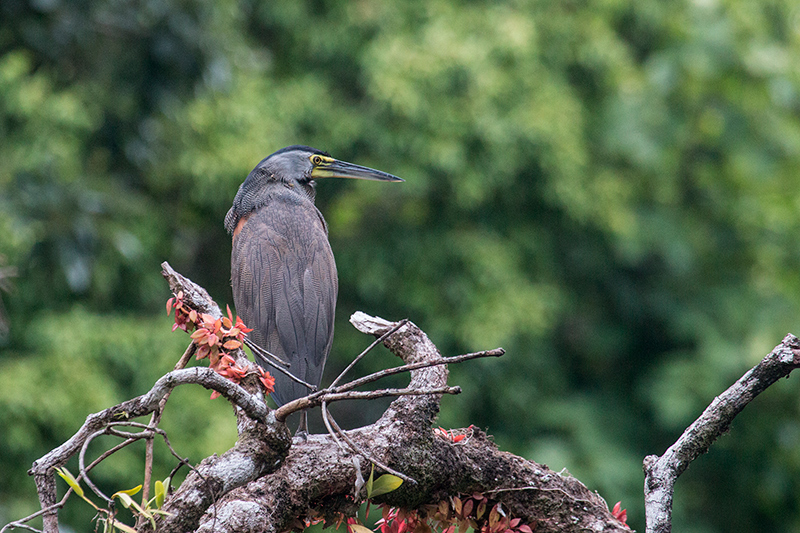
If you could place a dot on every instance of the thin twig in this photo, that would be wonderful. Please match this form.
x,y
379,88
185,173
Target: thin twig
x,y
360,451
82,467
367,350
497,352
307,402
291,376
155,419
19,525
325,415
277,363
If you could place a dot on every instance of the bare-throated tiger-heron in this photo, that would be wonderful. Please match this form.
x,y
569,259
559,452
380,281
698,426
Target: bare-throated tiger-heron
x,y
283,273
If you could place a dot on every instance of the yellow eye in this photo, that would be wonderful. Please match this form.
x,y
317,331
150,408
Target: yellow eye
x,y
317,159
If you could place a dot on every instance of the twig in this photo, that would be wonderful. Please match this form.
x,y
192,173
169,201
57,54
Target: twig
x,y
497,352
283,371
662,472
19,525
64,499
325,418
82,467
356,448
155,419
360,356
278,363
314,400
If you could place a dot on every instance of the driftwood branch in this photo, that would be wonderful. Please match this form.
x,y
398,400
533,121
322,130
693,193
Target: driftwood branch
x,y
662,472
42,469
268,483
318,477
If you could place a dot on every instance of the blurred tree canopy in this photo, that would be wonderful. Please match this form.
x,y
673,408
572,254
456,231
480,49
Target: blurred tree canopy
x,y
608,189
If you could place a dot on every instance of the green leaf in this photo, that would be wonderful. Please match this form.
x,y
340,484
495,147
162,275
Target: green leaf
x,y
129,492
124,499
160,493
369,483
122,527
67,476
385,483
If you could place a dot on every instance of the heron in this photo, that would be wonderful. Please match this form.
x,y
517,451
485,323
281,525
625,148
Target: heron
x,y
283,273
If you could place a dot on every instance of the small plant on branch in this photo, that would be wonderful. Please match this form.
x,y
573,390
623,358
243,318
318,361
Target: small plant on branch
x,y
215,338
108,515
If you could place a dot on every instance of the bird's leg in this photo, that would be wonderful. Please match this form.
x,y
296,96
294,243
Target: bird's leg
x,y
302,429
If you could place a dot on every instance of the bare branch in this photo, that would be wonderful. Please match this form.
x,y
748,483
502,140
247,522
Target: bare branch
x,y
155,419
367,350
193,294
307,402
497,352
146,404
662,472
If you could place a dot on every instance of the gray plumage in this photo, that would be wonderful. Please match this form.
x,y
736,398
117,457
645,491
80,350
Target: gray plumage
x,y
283,272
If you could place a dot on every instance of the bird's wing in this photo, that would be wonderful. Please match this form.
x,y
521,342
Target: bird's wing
x,y
284,286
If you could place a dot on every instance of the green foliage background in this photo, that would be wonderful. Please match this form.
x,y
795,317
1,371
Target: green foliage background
x,y
608,189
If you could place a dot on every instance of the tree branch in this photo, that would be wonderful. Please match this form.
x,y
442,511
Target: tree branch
x,y
662,472
317,478
261,484
42,469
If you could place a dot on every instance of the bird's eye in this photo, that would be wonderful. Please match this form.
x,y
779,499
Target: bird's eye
x,y
317,160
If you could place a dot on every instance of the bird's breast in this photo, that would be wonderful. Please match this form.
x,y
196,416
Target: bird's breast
x,y
240,225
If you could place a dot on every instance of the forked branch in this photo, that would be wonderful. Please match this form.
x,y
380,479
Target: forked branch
x,y
662,472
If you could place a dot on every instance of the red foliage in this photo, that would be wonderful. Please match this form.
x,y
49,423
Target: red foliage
x,y
458,512
213,337
451,435
620,514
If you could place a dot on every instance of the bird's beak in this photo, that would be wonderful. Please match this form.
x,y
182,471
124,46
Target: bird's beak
x,y
334,168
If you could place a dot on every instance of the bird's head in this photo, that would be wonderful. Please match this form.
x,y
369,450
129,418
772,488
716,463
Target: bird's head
x,y
301,165
296,166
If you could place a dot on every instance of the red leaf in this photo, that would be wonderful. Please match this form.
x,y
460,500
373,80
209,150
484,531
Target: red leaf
x,y
208,320
494,517
267,380
202,352
215,395
213,357
468,507
169,305
456,503
231,344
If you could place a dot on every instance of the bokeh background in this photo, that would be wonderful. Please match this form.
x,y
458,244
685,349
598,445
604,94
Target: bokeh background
x,y
608,189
